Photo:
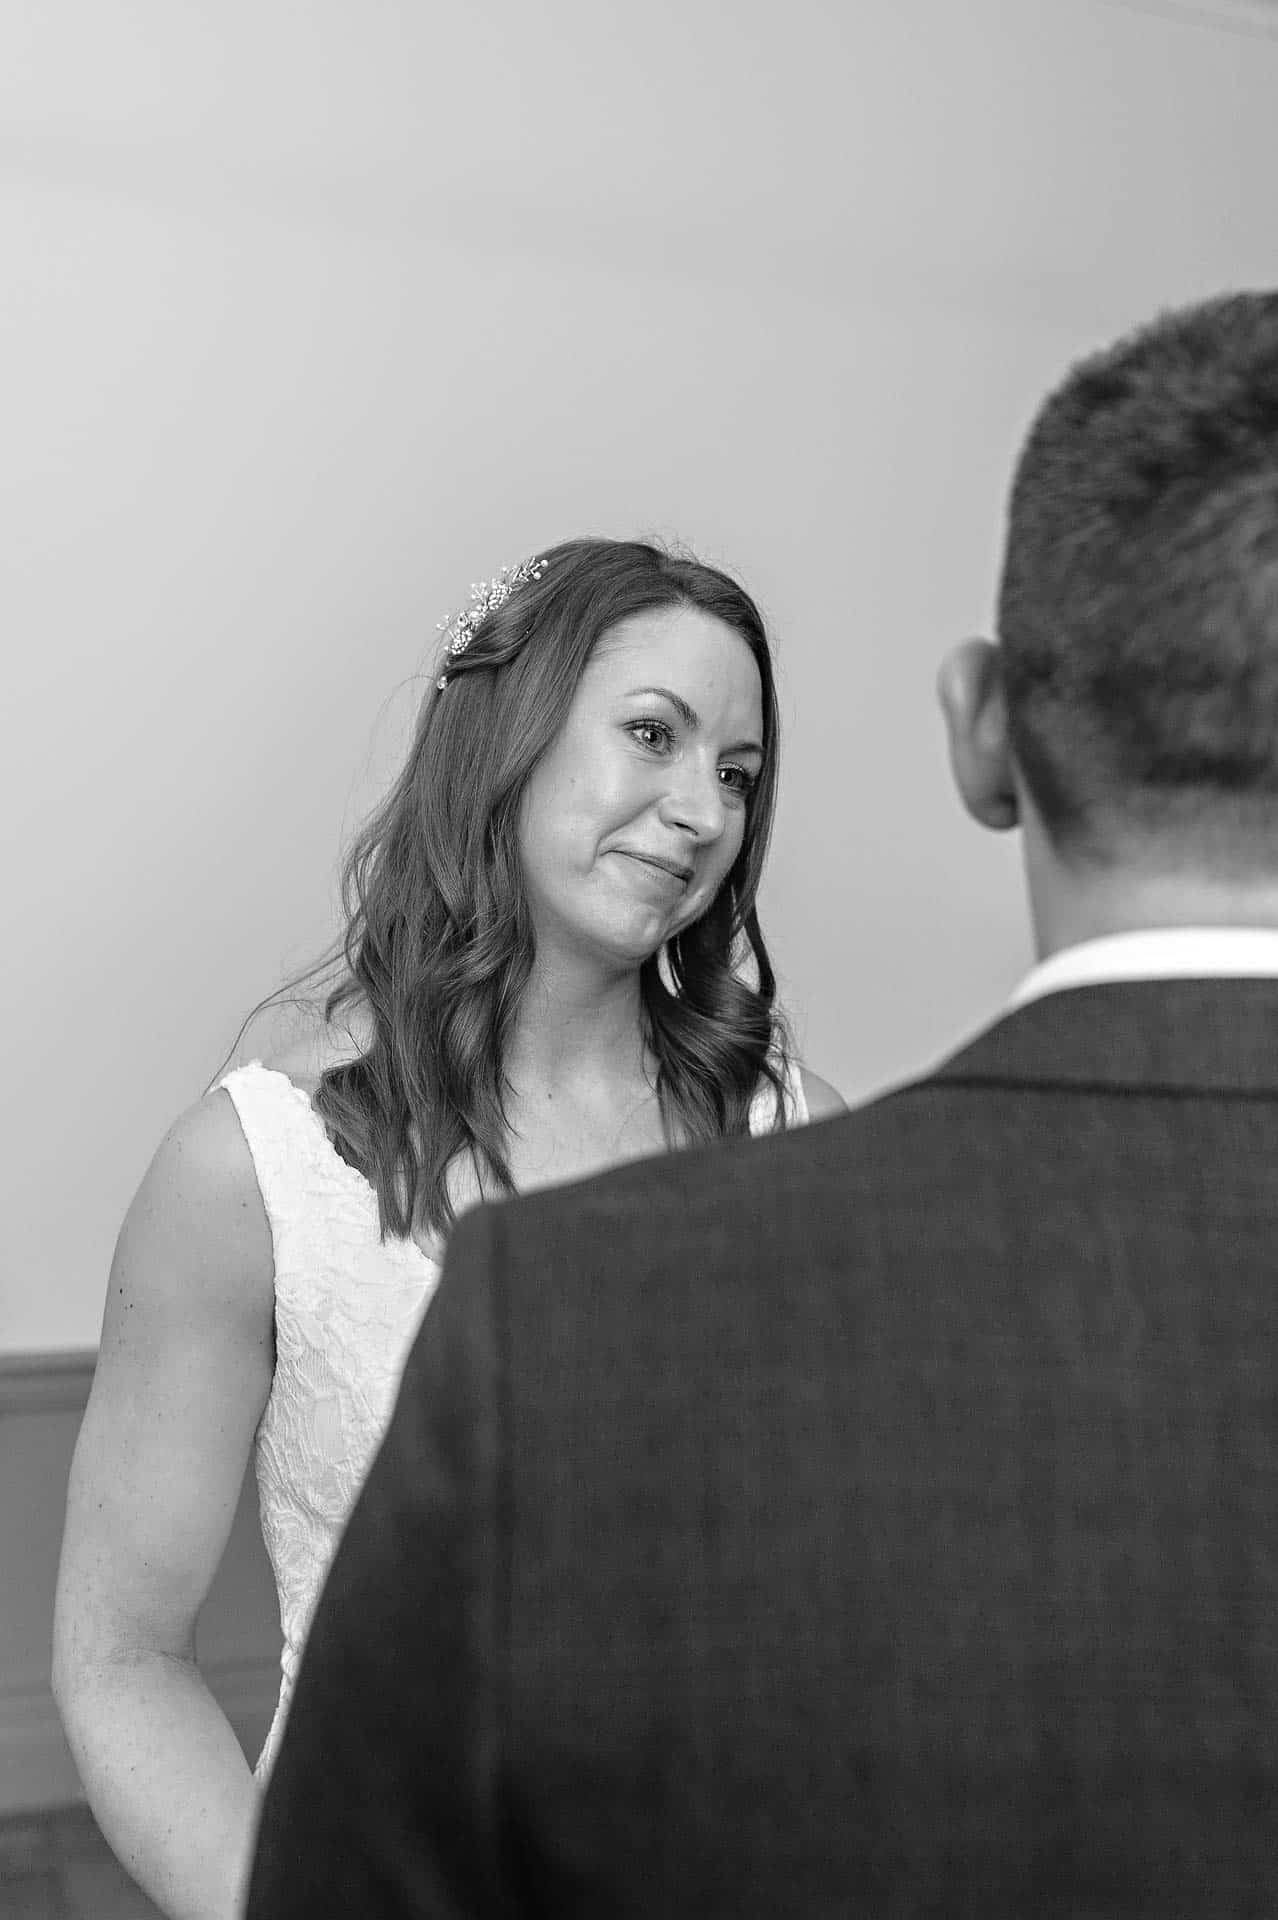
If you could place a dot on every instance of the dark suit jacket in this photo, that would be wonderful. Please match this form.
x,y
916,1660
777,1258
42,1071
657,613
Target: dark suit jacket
x,y
876,1520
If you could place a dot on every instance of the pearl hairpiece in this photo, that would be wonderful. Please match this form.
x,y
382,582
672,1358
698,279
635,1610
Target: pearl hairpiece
x,y
485,598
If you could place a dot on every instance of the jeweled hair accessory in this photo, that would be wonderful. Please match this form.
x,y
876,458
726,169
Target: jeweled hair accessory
x,y
485,598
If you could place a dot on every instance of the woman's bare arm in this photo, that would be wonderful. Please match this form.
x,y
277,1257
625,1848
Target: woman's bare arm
x,y
182,1377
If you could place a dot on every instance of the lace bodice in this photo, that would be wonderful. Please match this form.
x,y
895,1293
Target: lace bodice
x,y
347,1307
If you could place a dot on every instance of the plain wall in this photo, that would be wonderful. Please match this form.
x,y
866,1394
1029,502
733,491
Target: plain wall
x,y
315,314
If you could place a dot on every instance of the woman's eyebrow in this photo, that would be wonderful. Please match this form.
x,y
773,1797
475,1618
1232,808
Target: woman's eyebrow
x,y
691,718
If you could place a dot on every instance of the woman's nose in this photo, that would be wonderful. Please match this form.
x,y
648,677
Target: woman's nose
x,y
694,801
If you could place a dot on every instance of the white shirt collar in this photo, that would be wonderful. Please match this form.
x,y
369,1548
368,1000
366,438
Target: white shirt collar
x,y
1156,953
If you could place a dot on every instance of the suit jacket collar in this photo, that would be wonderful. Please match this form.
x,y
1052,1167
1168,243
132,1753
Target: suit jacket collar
x,y
1178,1036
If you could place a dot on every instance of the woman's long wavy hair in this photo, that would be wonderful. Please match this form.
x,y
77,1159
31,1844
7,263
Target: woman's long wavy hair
x,y
439,945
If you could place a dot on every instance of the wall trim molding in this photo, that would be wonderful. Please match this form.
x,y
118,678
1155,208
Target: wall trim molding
x,y
56,1382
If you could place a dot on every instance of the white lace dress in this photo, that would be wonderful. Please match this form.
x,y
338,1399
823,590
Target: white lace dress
x,y
347,1306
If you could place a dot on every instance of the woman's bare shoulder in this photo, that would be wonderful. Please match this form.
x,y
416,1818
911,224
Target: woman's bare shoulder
x,y
200,1198
823,1100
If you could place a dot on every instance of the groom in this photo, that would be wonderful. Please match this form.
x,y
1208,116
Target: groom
x,y
882,1519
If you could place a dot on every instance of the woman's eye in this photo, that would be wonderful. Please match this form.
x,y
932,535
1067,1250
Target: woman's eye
x,y
658,737
664,736
745,782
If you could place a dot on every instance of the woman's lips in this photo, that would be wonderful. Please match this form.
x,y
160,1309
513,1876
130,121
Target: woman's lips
x,y
671,872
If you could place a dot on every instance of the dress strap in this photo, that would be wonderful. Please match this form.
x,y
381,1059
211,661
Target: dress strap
x,y
293,1157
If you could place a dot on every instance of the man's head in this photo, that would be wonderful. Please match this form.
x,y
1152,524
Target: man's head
x,y
1129,716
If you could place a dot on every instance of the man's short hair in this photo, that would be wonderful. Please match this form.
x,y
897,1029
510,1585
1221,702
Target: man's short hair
x,y
1138,608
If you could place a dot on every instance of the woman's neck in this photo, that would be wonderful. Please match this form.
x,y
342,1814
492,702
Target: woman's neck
x,y
578,1034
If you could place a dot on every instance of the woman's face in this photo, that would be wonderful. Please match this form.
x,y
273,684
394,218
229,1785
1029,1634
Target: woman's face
x,y
633,817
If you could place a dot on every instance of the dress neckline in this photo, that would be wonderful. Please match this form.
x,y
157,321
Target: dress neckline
x,y
358,1182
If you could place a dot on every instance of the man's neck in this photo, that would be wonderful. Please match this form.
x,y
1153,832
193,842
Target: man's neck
x,y
1067,910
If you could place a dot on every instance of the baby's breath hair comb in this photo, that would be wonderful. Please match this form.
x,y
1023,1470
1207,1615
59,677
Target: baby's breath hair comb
x,y
485,598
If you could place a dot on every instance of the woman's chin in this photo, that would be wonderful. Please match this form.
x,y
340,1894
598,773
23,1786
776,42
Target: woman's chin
x,y
623,943
632,948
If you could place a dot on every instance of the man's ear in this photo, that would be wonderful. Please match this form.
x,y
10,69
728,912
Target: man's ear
x,y
969,687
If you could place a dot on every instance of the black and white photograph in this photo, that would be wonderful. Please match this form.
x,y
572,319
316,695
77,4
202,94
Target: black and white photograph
x,y
640,817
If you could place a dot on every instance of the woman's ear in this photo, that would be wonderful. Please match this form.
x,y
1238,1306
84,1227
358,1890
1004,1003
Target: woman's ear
x,y
969,686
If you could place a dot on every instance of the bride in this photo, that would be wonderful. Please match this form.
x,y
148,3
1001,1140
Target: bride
x,y
552,963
